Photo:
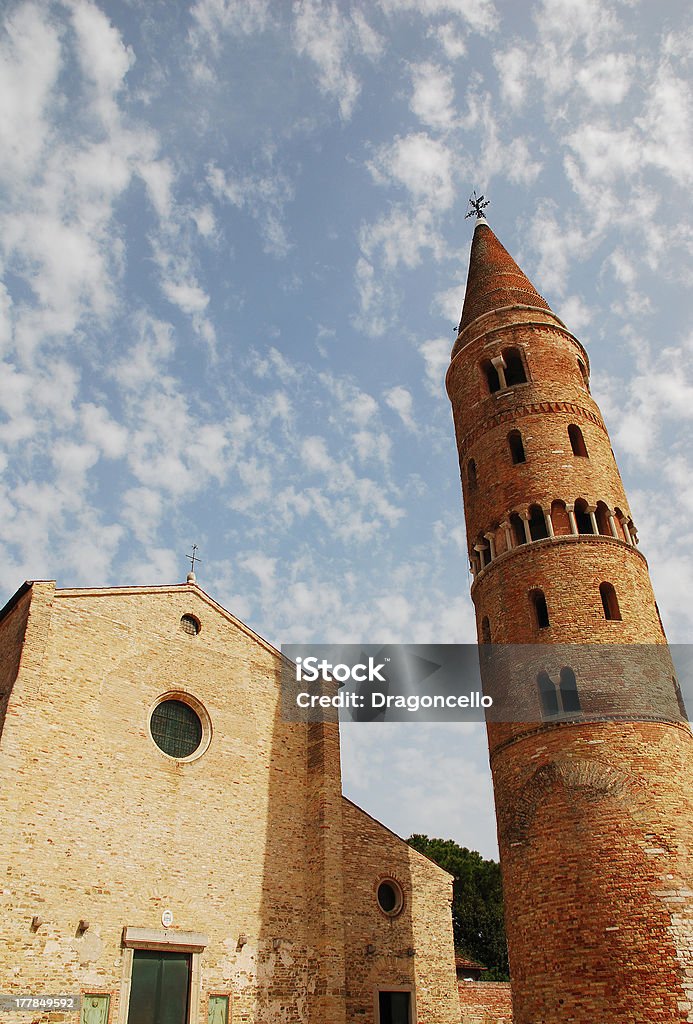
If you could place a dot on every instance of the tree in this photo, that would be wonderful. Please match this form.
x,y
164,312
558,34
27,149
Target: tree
x,y
477,905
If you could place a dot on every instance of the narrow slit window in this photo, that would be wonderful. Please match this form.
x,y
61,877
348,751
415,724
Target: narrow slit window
x,y
471,474
610,602
679,699
517,448
518,529
537,523
582,517
491,375
570,698
485,630
541,611
602,515
577,441
514,367
547,695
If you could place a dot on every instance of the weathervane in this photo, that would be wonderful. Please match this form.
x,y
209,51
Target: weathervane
x,y
478,205
193,558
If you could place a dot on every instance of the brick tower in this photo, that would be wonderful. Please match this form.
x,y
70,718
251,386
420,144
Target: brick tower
x,y
594,810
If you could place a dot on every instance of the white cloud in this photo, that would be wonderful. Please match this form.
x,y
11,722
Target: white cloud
x,y
452,43
102,56
400,238
236,17
480,15
30,61
608,78
100,429
433,97
423,165
324,35
205,221
436,355
400,400
315,455
513,68
575,313
667,125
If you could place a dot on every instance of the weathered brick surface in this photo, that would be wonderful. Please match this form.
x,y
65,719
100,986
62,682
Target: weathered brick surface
x,y
413,950
595,819
250,839
485,1002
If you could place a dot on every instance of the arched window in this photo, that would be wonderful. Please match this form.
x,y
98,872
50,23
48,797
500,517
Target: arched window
x,y
484,550
541,611
602,515
583,371
547,695
485,630
679,698
620,519
570,698
518,528
537,523
560,519
582,517
491,374
577,441
610,602
514,367
517,449
471,474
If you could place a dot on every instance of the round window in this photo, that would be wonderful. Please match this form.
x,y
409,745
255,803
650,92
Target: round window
x,y
176,728
390,898
190,625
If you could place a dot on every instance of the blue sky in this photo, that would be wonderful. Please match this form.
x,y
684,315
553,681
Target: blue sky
x,y
233,253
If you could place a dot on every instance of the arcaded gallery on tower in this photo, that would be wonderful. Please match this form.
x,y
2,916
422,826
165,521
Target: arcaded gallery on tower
x,y
174,852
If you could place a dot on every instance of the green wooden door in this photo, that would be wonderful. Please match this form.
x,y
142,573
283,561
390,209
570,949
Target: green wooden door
x,y
160,987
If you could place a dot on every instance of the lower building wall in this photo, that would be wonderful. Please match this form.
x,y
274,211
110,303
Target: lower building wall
x,y
485,1002
414,950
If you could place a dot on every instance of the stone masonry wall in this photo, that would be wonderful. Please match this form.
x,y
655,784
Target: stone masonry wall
x,y
100,825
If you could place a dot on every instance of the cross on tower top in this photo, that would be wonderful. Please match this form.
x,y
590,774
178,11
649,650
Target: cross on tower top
x,y
193,558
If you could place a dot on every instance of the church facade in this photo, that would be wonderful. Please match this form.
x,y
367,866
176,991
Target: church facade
x,y
173,851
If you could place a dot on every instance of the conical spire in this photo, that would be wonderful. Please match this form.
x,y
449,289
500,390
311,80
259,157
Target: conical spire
x,y
494,278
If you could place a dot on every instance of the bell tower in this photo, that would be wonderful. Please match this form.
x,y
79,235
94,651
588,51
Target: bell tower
x,y
593,777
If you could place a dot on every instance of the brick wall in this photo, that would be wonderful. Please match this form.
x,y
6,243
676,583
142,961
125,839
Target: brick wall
x,y
413,950
595,818
485,1002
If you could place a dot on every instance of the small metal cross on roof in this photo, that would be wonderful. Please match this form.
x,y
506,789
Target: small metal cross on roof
x,y
193,558
478,205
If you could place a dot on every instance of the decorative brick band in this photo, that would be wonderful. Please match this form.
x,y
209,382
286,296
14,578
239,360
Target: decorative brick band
x,y
555,326
523,409
584,720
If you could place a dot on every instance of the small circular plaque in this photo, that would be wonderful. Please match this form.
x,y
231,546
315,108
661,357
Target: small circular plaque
x,y
167,918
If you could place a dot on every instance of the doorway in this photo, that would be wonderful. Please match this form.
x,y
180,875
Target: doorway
x,y
394,1007
160,987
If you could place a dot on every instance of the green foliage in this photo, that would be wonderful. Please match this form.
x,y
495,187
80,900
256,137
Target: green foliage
x,y
477,907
